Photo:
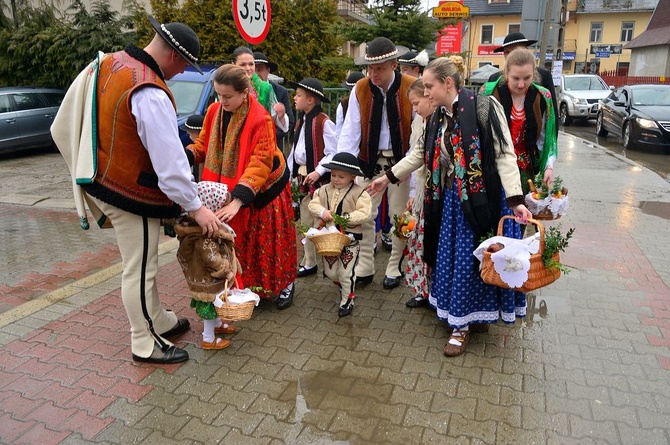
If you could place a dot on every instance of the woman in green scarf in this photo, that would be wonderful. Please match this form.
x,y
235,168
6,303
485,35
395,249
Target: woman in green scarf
x,y
261,90
530,116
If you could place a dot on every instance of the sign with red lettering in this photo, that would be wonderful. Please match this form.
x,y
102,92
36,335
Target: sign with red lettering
x,y
449,41
451,10
487,50
451,37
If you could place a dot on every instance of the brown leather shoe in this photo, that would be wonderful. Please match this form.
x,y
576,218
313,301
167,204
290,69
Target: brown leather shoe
x,y
461,338
225,330
218,343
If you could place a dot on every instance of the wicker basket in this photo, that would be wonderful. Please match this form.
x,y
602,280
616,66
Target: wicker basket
x,y
330,244
538,275
546,215
234,312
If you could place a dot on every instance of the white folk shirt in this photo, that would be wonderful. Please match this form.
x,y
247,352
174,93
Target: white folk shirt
x,y
350,138
299,154
157,128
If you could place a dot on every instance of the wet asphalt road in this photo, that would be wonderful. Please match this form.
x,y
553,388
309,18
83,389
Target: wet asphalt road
x,y
657,160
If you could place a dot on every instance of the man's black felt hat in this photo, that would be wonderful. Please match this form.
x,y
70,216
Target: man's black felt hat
x,y
352,78
259,57
181,38
515,38
379,50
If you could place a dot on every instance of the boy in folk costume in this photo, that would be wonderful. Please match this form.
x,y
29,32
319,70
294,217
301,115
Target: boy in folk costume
x,y
314,145
343,197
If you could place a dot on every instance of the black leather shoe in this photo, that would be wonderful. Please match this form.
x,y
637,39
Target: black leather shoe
x,y
347,308
171,354
417,301
364,281
391,282
181,327
285,298
304,272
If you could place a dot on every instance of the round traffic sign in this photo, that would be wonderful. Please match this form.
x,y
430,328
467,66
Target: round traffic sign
x,y
252,18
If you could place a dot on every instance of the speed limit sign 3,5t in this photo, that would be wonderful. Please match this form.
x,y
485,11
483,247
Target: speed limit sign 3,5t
x,y
252,18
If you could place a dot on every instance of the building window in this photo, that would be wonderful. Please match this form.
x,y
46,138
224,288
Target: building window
x,y
487,34
627,31
596,32
498,2
515,27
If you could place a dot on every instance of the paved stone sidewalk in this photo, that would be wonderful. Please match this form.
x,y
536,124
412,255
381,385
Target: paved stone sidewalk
x,y
588,365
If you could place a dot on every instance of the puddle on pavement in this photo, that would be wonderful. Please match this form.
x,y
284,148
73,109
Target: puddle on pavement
x,y
316,388
656,208
541,307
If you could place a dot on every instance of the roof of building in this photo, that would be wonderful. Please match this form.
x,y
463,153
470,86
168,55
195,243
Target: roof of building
x,y
658,30
482,7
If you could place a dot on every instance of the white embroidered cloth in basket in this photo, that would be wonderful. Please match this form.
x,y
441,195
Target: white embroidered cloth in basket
x,y
557,206
323,230
513,261
237,296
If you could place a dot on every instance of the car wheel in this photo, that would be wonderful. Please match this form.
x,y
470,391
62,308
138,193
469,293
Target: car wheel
x,y
600,129
565,117
627,136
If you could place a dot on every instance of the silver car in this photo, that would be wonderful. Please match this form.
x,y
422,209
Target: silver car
x,y
26,115
579,95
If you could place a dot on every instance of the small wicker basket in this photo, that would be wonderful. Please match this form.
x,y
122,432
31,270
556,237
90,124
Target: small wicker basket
x,y
538,275
234,312
546,215
330,244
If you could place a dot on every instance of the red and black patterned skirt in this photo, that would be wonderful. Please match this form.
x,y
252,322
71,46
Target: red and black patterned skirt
x,y
267,248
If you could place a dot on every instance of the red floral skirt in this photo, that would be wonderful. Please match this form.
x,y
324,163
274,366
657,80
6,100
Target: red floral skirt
x,y
267,249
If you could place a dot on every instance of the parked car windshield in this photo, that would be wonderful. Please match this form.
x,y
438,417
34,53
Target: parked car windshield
x,y
584,83
186,95
651,96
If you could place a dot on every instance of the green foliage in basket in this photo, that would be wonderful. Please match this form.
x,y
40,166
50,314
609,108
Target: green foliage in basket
x,y
341,221
302,228
490,234
557,186
543,190
555,241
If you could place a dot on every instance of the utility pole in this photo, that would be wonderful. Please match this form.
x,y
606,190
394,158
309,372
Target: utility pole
x,y
546,24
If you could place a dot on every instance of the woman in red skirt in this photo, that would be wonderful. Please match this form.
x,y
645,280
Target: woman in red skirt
x,y
238,147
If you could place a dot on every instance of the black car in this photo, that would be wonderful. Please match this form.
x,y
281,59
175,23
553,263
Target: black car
x,y
639,114
26,115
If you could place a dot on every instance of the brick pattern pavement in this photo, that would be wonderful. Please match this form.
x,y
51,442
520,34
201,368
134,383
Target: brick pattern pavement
x,y
588,365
